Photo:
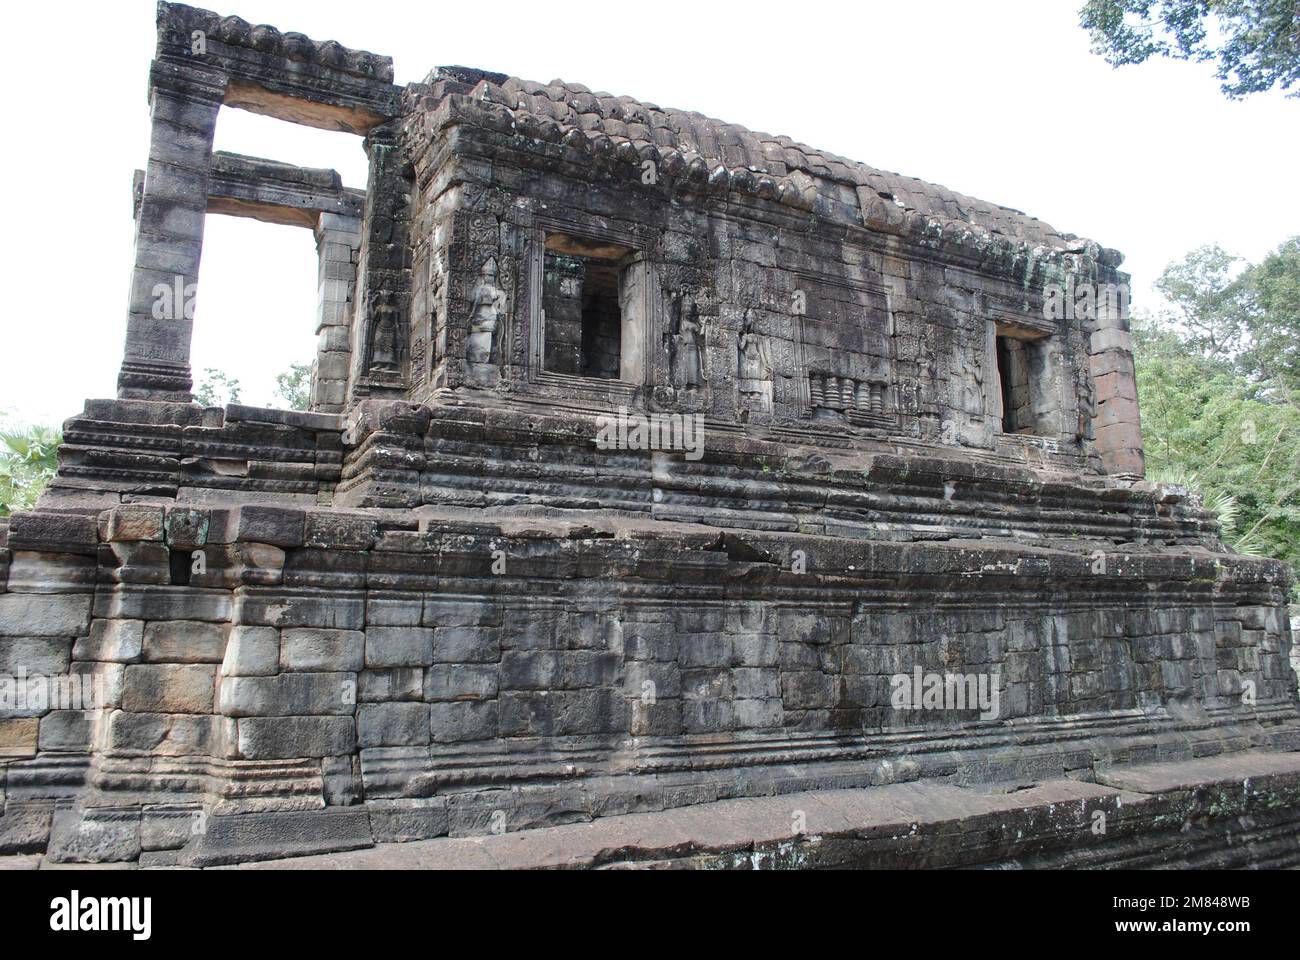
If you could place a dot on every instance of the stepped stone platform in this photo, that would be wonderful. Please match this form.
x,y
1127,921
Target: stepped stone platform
x,y
655,468
1220,812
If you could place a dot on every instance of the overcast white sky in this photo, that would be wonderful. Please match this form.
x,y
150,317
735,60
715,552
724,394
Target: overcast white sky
x,y
1001,100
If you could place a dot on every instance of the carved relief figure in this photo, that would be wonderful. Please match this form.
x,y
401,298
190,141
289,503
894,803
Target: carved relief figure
x,y
909,396
754,367
928,387
487,309
1086,390
972,385
437,327
383,353
685,347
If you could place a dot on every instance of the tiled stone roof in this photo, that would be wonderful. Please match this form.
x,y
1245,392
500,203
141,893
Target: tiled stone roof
x,y
568,111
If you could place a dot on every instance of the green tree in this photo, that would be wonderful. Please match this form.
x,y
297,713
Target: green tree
x,y
294,386
1215,412
28,460
1246,317
1210,429
216,389
1255,44
1270,300
1208,301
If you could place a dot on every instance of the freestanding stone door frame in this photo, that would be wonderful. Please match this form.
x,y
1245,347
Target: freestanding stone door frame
x,y
169,232
203,62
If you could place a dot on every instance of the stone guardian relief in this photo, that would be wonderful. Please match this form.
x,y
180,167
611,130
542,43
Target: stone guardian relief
x,y
487,312
753,369
685,345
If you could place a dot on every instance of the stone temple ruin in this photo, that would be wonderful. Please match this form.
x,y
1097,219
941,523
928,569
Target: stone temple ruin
x,y
434,606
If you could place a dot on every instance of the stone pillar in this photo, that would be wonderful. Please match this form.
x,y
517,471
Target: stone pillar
x,y
380,346
338,242
1117,425
169,233
632,337
1294,616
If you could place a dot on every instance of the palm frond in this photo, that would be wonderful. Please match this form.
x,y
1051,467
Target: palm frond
x,y
1226,506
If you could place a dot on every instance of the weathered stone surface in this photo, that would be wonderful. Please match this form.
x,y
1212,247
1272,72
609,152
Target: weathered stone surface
x,y
399,647
400,683
252,652
18,736
160,734
289,694
31,572
114,641
333,612
322,651
929,824
186,528
47,656
392,724
169,688
340,532
167,828
133,523
263,563
32,615
232,839
277,738
158,603
67,731
96,835
460,681
277,526
458,721
25,827
342,781
106,682
41,532
185,641
145,561
465,644
404,822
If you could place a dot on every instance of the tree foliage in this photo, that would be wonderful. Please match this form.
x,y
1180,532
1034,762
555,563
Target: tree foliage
x,y
1217,410
216,389
1271,307
28,459
1255,44
294,386
1207,301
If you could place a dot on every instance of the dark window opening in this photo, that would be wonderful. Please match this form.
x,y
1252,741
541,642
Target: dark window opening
x,y
1025,384
589,304
181,568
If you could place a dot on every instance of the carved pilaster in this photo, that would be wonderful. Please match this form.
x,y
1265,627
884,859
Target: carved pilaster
x,y
172,202
380,342
1117,422
337,241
